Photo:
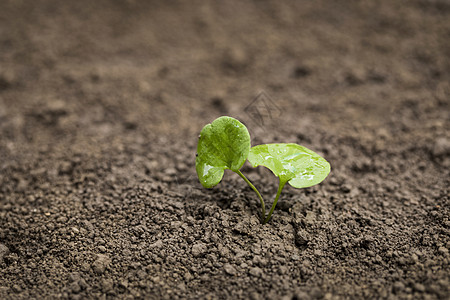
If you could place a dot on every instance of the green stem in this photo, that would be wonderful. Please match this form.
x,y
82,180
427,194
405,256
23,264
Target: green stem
x,y
263,207
280,188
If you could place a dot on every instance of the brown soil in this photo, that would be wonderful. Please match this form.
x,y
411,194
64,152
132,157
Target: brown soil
x,y
101,103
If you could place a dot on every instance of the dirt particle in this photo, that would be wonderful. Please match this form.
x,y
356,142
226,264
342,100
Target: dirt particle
x,y
398,287
256,296
198,249
346,188
229,269
65,168
316,293
100,264
224,252
188,276
3,252
107,285
300,295
301,238
181,287
156,245
51,114
124,283
170,171
441,147
259,260
419,287
16,288
74,276
255,271
443,251
62,219
242,227
310,218
22,185
75,287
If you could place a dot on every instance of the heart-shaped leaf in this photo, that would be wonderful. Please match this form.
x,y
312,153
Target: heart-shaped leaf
x,y
292,163
223,144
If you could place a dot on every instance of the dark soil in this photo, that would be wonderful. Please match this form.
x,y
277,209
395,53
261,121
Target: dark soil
x,y
101,103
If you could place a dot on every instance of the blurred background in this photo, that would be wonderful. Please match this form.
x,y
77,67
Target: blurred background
x,y
82,74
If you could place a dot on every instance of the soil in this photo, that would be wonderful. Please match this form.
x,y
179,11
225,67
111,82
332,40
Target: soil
x,y
101,103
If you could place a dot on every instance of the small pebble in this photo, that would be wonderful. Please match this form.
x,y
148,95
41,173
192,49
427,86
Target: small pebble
x,y
257,272
419,287
229,269
3,252
100,264
198,249
158,244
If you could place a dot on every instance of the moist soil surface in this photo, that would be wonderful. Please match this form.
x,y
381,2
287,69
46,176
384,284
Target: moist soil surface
x,y
101,104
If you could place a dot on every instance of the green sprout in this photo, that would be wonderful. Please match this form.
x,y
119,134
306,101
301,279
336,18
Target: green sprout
x,y
225,144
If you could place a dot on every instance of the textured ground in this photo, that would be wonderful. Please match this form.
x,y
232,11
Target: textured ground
x,y
101,103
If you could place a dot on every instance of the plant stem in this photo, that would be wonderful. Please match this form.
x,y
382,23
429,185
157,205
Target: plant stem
x,y
280,188
263,206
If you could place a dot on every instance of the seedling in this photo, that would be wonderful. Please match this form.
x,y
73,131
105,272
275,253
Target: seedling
x,y
225,144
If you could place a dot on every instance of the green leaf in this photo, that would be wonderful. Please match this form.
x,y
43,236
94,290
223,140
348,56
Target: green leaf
x,y
292,163
223,144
